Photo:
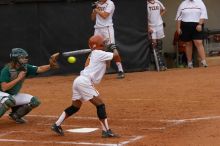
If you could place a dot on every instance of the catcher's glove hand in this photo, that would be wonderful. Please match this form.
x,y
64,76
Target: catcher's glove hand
x,y
53,61
110,47
23,68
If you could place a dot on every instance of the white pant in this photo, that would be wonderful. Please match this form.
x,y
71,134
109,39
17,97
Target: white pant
x,y
20,98
83,89
158,32
107,32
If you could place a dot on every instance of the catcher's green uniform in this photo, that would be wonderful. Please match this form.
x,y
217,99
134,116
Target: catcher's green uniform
x,y
16,71
12,97
8,74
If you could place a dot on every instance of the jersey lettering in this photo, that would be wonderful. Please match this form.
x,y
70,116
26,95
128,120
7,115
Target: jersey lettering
x,y
101,8
154,8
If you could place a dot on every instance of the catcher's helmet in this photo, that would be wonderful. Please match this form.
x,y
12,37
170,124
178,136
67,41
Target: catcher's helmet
x,y
19,55
96,42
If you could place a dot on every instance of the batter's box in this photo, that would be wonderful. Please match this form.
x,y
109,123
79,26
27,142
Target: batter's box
x,y
47,137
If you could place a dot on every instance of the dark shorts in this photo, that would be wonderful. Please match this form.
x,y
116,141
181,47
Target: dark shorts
x,y
189,32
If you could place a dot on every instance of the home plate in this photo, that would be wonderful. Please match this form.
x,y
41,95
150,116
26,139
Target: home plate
x,y
82,130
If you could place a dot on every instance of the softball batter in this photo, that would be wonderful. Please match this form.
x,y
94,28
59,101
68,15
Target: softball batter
x,y
83,86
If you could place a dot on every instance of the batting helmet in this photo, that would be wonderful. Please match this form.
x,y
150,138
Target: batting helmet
x,y
96,42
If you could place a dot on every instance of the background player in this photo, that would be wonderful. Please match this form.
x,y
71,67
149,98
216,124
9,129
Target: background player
x,y
190,19
156,29
83,85
102,13
12,77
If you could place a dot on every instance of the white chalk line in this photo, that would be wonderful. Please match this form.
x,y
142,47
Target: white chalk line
x,y
63,125
173,122
132,139
163,120
155,128
74,117
170,121
6,133
181,121
150,99
81,118
56,142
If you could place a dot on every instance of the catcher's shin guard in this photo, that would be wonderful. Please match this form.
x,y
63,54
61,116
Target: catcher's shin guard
x,y
20,111
8,103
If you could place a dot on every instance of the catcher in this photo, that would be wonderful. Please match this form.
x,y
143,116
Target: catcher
x,y
11,79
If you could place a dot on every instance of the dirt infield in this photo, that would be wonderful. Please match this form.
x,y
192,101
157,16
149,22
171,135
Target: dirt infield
x,y
179,107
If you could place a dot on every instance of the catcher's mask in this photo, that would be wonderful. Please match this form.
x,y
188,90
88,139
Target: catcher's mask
x,y
19,55
96,42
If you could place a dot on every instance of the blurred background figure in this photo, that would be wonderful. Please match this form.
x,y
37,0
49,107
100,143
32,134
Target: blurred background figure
x,y
180,48
102,14
190,19
156,28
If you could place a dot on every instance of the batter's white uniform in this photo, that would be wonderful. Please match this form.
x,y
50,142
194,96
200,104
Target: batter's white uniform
x,y
83,85
104,27
155,21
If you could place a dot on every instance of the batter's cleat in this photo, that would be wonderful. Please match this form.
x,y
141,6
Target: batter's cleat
x,y
120,75
18,120
57,129
109,134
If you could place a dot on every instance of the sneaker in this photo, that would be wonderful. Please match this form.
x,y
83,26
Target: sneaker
x,y
18,120
108,134
204,64
190,65
57,129
120,75
163,68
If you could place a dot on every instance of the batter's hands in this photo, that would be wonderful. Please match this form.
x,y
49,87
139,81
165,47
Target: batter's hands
x,y
110,48
53,61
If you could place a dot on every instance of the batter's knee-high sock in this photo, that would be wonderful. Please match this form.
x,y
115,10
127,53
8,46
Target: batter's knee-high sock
x,y
101,112
66,113
61,119
104,124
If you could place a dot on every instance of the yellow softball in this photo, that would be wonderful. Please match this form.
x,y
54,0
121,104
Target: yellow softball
x,y
71,59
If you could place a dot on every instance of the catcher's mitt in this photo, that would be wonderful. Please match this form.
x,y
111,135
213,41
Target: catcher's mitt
x,y
53,61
